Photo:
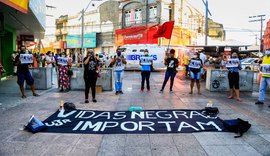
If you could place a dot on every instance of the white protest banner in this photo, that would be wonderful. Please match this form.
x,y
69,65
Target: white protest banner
x,y
26,58
146,60
232,63
62,60
265,68
195,64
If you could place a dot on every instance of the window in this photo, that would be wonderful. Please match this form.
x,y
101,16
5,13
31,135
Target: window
x,y
128,18
138,16
152,13
134,50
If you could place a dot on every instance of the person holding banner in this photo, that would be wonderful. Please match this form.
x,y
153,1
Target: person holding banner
x,y
146,61
91,65
118,64
195,66
172,64
23,73
265,79
234,65
64,79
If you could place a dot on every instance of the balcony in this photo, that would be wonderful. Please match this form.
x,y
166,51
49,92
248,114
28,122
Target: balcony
x,y
60,32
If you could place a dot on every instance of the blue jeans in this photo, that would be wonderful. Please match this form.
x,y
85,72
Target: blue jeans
x,y
169,74
265,81
118,77
195,76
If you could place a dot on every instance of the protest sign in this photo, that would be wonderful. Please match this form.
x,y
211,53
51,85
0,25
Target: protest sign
x,y
62,60
26,58
265,68
146,60
232,63
195,64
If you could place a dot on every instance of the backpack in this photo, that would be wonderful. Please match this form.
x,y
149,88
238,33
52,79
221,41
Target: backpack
x,y
68,106
237,126
210,111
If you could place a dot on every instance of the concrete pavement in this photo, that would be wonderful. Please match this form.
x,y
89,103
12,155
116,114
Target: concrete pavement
x,y
15,112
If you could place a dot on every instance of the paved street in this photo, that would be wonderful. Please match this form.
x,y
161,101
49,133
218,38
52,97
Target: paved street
x,y
15,112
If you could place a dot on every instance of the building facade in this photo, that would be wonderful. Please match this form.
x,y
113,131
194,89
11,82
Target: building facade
x,y
266,37
20,22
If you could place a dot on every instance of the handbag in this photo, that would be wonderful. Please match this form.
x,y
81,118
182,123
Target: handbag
x,y
70,72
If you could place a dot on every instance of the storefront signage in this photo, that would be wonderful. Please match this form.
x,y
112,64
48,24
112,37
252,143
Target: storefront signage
x,y
21,5
74,41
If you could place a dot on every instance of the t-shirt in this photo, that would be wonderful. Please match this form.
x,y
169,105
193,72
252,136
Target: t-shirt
x,y
48,58
203,57
146,63
21,68
91,66
172,64
266,60
196,70
118,65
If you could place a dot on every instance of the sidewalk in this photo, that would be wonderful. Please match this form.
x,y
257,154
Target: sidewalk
x,y
17,142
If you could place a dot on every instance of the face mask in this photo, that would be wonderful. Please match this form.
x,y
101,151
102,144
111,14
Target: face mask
x,y
267,52
119,54
145,53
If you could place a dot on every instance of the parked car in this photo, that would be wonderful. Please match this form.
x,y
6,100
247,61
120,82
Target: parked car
x,y
250,64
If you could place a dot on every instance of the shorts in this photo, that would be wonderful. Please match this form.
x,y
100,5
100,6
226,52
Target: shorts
x,y
195,76
25,77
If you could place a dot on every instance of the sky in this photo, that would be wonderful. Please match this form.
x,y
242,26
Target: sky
x,y
233,14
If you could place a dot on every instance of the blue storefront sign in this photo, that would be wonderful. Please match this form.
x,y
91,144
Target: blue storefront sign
x,y
74,41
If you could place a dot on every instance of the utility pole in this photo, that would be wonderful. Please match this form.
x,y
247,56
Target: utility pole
x,y
82,35
207,11
259,18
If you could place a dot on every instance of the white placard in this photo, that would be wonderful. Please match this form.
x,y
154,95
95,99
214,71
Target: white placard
x,y
146,60
232,63
62,60
26,58
265,68
195,64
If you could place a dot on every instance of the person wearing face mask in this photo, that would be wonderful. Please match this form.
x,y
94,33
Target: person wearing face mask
x,y
91,65
146,61
23,74
233,76
50,61
172,64
265,79
118,65
64,78
195,73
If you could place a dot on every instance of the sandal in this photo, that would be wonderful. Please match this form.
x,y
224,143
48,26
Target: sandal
x,y
23,96
35,94
230,97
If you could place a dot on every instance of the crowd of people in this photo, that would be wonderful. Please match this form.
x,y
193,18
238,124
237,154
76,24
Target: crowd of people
x,y
193,69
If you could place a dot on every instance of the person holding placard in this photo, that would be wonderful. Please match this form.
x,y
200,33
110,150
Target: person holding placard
x,y
91,65
23,74
172,64
195,66
146,61
265,79
118,64
64,79
234,65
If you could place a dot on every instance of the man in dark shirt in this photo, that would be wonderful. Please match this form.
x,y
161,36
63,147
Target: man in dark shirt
x,y
23,74
172,64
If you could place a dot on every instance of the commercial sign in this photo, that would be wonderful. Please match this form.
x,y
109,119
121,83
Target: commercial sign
x,y
27,38
136,35
21,5
38,7
74,41
59,45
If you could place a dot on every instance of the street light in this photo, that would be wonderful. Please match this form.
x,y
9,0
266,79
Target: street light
x,y
259,18
82,35
206,19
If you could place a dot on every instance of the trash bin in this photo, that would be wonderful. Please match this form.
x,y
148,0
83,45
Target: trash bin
x,y
217,80
42,78
77,81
